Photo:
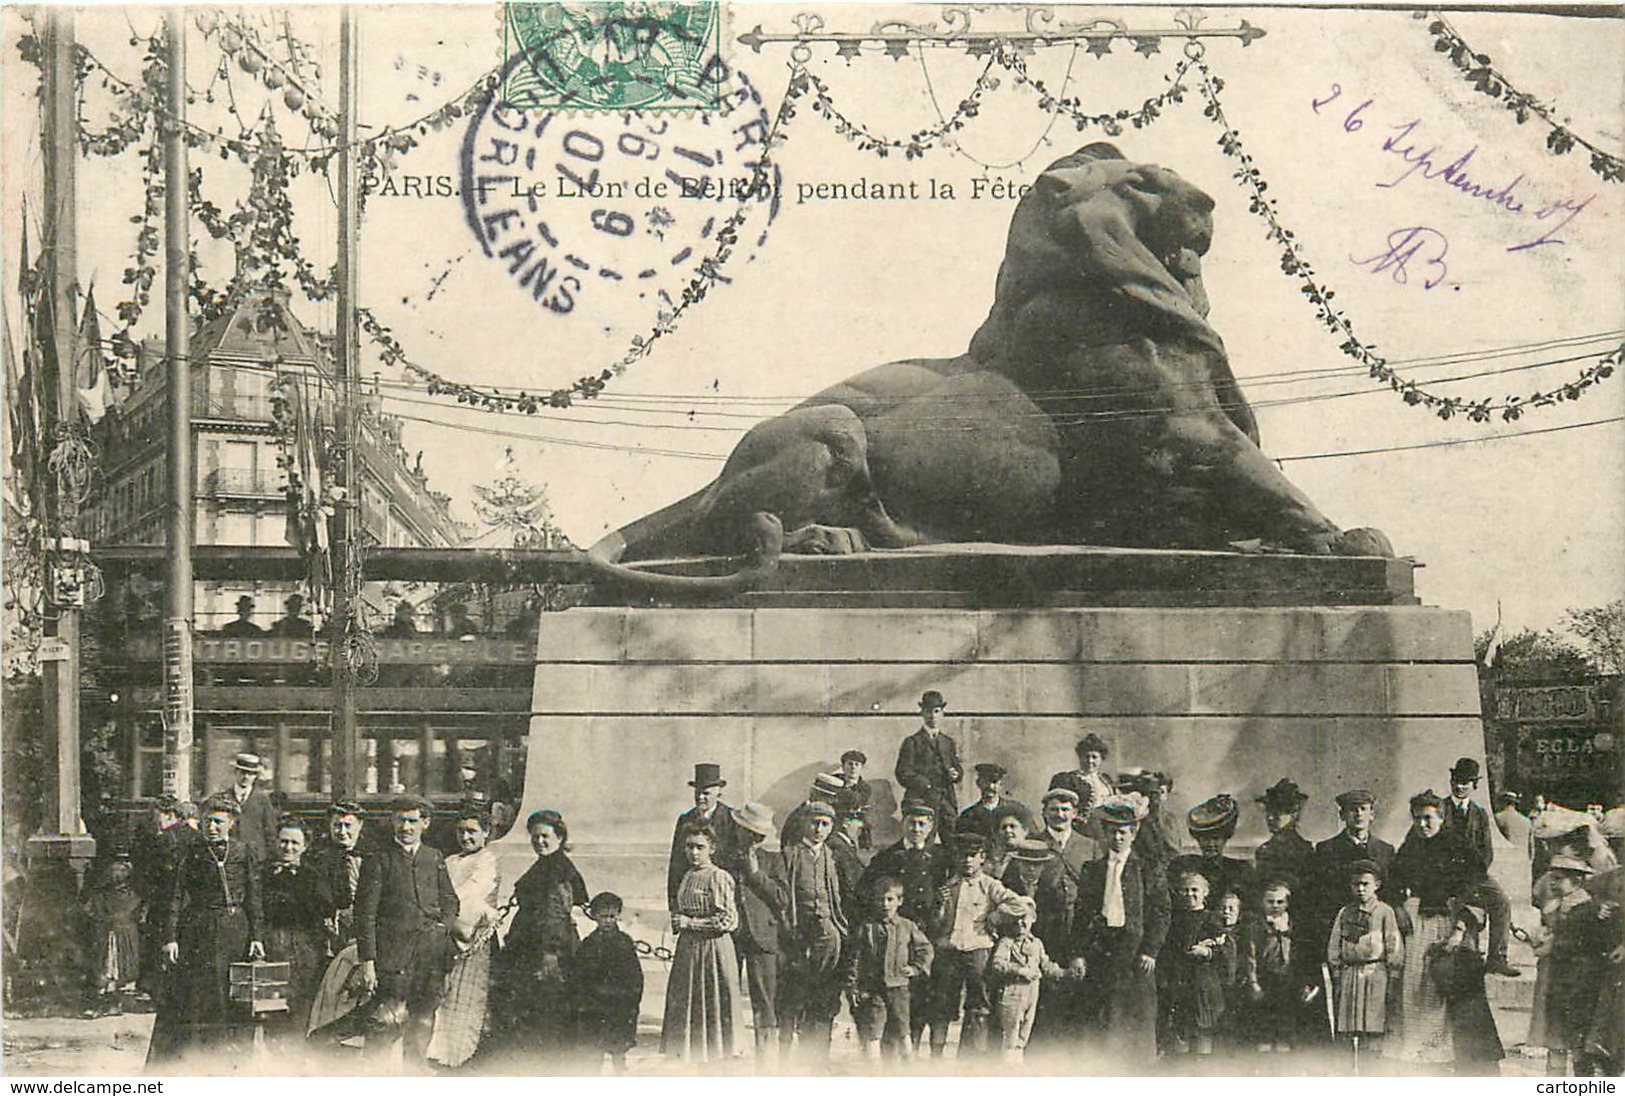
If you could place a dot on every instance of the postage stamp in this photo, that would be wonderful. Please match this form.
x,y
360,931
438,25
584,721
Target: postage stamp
x,y
663,56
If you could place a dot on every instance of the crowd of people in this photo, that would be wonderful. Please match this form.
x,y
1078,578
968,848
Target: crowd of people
x,y
1079,929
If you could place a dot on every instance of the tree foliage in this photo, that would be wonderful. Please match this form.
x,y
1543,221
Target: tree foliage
x,y
1601,631
1590,641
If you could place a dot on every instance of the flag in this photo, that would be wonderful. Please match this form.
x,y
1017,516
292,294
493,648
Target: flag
x,y
91,381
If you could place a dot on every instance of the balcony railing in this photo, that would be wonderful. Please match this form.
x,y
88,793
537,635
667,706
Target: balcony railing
x,y
244,482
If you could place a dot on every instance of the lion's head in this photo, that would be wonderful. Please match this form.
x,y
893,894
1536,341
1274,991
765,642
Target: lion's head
x,y
1097,232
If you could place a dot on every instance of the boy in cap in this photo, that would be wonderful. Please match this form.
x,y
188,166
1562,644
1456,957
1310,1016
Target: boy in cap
x,y
857,794
1328,870
885,956
404,905
928,765
922,865
604,981
1212,823
964,942
709,810
1466,817
815,923
983,815
1286,853
1118,929
762,893
1016,970
1365,953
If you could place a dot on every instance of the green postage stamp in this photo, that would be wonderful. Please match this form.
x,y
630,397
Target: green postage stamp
x,y
615,56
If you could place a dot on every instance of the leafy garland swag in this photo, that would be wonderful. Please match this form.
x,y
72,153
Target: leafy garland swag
x,y
270,234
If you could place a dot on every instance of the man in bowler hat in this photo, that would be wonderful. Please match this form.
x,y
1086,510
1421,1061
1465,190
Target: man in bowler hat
x,y
928,765
708,810
1468,818
403,907
983,816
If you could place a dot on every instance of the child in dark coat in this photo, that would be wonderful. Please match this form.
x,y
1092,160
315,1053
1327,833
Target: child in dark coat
x,y
1280,970
115,910
606,985
1197,959
1458,966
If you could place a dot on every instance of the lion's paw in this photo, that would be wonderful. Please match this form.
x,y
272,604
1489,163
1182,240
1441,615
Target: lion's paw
x,y
825,540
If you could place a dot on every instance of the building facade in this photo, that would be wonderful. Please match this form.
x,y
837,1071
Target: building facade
x,y
435,705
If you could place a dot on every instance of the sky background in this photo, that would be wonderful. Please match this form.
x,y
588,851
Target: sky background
x,y
1531,524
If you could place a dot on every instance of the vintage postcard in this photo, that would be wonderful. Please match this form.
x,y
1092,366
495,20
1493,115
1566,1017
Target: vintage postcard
x,y
935,540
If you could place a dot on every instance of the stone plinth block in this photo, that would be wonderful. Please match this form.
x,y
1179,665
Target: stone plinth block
x,y
626,700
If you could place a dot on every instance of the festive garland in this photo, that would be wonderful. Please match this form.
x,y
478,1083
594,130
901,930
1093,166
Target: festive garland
x,y
1109,122
708,274
913,146
1293,264
140,275
1478,70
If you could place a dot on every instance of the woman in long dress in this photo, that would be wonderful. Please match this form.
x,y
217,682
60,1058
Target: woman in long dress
x,y
460,1022
702,1019
1432,868
531,1010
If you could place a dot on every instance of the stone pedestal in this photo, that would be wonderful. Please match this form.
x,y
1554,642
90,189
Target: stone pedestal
x,y
1227,698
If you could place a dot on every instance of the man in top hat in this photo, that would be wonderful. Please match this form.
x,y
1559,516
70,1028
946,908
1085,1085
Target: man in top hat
x,y
1327,889
243,627
404,907
928,765
257,815
708,810
1089,781
983,815
1212,823
762,894
923,866
1286,853
1468,818
335,867
293,624
1118,928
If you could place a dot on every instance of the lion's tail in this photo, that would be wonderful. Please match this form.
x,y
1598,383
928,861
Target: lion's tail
x,y
605,556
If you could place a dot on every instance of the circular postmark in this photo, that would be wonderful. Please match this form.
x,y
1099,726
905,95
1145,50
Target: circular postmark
x,y
597,207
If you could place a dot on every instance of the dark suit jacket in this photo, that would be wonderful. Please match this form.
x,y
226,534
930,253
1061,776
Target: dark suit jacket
x,y
1145,906
329,865
761,895
722,826
1285,856
1329,884
256,825
1474,825
399,897
203,887
1057,894
926,767
921,872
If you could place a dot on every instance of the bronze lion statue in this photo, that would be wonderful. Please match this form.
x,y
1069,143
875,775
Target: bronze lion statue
x,y
1095,405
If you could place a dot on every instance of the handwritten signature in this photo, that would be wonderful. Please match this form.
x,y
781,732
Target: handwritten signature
x,y
1429,164
1426,246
